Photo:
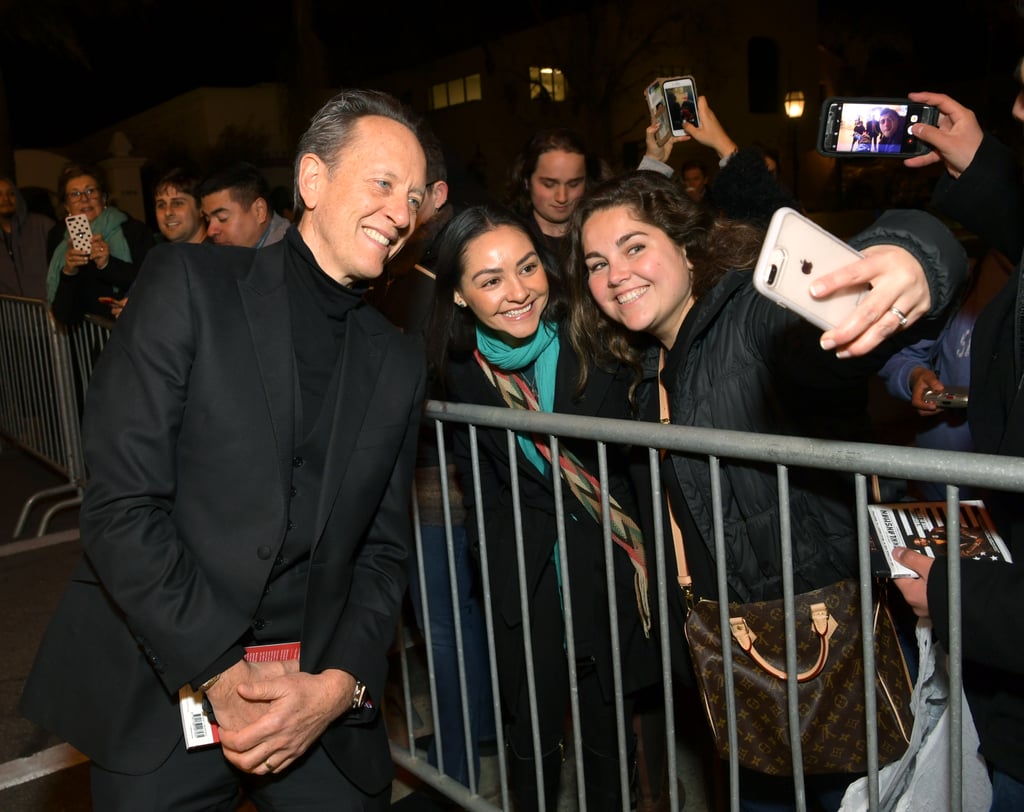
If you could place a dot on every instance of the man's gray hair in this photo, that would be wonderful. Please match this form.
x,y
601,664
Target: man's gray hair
x,y
331,128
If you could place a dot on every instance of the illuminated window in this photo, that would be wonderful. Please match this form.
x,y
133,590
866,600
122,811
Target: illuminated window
x,y
547,83
456,91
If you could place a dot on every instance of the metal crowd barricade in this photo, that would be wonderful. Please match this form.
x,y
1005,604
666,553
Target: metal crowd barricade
x,y
44,371
858,459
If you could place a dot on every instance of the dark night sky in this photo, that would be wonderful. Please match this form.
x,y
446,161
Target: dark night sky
x,y
170,48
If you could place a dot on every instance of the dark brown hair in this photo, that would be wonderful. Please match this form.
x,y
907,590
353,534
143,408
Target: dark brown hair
x,y
713,245
517,194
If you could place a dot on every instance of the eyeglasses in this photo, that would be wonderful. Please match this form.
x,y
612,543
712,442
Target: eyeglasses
x,y
89,193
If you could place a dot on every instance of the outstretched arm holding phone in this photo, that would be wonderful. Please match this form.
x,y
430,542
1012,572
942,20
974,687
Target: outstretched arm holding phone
x,y
981,170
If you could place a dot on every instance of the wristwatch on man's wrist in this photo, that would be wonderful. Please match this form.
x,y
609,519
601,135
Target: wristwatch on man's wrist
x,y
359,696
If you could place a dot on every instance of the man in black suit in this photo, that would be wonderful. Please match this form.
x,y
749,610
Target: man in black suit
x,y
250,436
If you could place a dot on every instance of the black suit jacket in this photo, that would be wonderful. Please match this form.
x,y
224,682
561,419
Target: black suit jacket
x,y
188,439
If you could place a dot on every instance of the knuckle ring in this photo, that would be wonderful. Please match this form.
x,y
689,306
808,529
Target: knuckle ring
x,y
899,314
269,766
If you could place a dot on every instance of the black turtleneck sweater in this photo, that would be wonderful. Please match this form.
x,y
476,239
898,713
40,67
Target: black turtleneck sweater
x,y
318,306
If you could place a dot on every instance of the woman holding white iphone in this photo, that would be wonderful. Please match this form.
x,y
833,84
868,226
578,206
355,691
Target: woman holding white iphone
x,y
645,259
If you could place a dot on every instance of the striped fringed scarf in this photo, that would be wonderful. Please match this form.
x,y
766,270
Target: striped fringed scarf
x,y
518,395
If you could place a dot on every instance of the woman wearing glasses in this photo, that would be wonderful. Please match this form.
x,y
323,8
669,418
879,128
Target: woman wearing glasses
x,y
80,282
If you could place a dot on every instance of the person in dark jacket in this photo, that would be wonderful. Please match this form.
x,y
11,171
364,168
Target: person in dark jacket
x,y
80,282
982,189
24,258
499,339
647,258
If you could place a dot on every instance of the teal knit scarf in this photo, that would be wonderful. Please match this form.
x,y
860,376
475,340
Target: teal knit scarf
x,y
542,352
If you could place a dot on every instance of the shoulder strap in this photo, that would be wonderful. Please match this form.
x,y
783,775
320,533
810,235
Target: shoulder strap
x,y
685,581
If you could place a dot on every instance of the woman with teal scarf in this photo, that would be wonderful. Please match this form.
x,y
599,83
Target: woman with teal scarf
x,y
500,337
80,282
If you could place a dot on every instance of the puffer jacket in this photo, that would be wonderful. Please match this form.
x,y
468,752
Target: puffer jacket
x,y
743,363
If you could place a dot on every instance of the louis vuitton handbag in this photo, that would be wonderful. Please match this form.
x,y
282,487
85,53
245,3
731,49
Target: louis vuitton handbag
x,y
833,726
830,675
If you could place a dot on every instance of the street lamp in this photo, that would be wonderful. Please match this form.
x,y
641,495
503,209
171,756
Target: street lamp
x,y
794,104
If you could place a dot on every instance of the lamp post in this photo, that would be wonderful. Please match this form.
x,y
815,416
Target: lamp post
x,y
794,103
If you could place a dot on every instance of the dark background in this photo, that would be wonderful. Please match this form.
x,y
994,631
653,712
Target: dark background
x,y
72,68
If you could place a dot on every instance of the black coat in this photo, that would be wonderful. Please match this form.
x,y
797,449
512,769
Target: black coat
x,y
605,396
189,438
988,198
743,363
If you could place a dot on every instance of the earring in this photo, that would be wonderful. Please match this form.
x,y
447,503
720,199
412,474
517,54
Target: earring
x,y
459,303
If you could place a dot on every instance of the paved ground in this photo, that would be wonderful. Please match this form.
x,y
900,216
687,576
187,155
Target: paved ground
x,y
38,772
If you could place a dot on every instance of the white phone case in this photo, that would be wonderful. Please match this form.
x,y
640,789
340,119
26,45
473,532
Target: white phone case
x,y
797,251
80,232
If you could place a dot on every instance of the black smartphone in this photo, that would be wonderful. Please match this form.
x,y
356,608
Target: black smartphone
x,y
872,127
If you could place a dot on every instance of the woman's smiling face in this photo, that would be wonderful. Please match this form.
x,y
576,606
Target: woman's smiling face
x,y
637,275
504,284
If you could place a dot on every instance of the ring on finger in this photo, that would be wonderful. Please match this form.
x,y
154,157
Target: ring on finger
x,y
268,765
899,314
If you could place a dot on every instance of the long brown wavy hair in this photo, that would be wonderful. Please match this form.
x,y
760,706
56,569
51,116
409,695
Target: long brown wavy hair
x,y
713,245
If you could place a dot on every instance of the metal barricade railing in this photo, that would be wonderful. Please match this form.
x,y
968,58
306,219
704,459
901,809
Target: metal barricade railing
x,y
44,371
861,460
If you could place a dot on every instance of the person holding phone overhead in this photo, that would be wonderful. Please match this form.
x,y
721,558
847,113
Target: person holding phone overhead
x,y
500,337
981,188
80,281
645,259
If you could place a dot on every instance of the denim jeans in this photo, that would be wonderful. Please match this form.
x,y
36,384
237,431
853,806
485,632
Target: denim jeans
x,y
768,793
1007,793
448,722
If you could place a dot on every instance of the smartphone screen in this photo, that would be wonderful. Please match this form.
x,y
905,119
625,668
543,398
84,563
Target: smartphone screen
x,y
872,127
681,98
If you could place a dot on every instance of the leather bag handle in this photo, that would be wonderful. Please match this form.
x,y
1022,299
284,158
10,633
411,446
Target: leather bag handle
x,y
824,626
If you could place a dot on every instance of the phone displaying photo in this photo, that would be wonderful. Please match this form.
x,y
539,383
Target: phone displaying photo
x,y
796,252
681,99
659,111
872,127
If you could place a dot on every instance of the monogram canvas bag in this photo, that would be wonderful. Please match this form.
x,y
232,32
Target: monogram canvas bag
x,y
830,676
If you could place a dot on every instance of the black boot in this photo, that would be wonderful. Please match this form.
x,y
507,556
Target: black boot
x,y
601,781
523,778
